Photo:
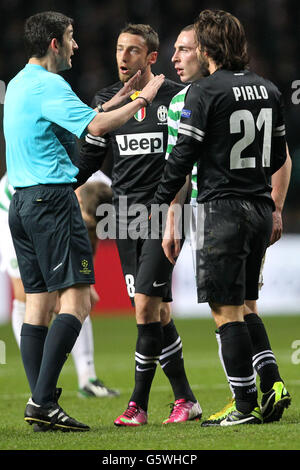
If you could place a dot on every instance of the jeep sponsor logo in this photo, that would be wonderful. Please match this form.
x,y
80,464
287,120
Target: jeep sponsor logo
x,y
135,144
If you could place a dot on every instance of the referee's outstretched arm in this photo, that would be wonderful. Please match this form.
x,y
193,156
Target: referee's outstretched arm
x,y
108,121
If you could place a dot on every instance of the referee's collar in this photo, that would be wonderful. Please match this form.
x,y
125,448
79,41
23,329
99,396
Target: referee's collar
x,y
29,66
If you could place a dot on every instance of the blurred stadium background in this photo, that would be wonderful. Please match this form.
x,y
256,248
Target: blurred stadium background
x,y
272,28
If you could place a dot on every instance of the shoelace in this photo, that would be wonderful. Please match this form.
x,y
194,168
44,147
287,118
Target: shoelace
x,y
131,412
176,409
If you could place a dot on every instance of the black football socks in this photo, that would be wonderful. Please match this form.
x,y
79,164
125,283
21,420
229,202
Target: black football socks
x,y
264,361
148,349
237,357
58,345
221,359
172,363
31,347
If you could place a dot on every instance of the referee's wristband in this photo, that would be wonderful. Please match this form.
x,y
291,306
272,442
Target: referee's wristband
x,y
146,101
100,109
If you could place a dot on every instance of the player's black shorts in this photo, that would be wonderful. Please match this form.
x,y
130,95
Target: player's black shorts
x,y
232,237
145,267
50,238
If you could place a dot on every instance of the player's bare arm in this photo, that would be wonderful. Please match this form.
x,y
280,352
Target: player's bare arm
x,y
173,233
106,122
123,94
280,184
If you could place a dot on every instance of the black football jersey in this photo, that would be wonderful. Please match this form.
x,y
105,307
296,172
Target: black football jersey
x,y
138,147
232,125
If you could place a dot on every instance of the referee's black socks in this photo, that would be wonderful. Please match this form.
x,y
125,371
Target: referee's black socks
x,y
31,347
59,343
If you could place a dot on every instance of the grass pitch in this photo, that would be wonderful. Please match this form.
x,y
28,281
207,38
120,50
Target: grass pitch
x,y
115,339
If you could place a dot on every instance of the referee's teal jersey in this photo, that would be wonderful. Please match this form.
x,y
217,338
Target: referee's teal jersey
x,y
41,116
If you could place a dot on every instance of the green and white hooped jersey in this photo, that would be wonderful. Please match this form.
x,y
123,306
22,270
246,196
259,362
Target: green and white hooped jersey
x,y
174,115
6,193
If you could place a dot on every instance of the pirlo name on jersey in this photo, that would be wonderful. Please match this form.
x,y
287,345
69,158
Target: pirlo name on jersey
x,y
250,92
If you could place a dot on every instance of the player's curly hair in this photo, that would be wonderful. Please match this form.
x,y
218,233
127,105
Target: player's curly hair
x,y
41,28
222,36
147,32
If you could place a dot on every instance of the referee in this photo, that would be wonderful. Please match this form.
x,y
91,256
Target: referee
x,y
41,115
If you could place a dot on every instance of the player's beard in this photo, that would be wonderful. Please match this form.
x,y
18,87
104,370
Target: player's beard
x,y
64,61
125,79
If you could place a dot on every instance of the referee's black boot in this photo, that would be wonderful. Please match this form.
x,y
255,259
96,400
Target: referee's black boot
x,y
54,417
39,427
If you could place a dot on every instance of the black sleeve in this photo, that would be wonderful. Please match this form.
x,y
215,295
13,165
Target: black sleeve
x,y
278,140
90,160
177,167
187,151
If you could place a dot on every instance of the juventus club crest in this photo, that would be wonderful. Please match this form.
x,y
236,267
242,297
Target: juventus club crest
x,y
162,113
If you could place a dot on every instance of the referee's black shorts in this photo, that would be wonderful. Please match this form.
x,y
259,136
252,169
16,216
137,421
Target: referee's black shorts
x,y
232,237
50,238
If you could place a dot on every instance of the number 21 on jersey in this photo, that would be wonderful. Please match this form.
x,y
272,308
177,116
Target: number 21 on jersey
x,y
250,126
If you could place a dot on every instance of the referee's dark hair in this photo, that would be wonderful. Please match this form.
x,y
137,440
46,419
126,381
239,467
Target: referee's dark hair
x,y
221,35
41,28
146,31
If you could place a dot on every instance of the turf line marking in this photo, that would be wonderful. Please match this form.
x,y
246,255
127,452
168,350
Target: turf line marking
x,y
159,388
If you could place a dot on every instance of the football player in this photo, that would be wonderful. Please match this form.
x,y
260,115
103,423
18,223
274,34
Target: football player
x,y
138,150
232,126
